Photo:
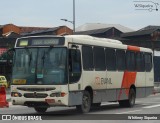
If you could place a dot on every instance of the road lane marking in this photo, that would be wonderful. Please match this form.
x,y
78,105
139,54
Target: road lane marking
x,y
138,101
151,103
152,106
128,112
103,104
144,104
156,98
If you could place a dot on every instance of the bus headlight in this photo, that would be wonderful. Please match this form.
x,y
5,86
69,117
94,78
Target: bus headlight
x,y
62,94
55,95
16,94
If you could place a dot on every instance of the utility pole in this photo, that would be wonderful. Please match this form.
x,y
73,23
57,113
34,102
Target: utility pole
x,y
74,16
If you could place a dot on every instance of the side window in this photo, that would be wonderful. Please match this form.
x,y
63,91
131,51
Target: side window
x,y
130,60
74,65
121,60
148,61
140,66
110,59
99,58
87,54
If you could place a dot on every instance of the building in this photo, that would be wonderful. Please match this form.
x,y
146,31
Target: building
x,y
10,32
94,26
61,30
146,37
110,32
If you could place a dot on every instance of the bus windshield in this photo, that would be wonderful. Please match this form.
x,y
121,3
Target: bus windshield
x,y
43,66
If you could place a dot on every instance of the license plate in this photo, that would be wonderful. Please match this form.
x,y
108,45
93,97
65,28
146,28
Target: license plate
x,y
19,81
50,100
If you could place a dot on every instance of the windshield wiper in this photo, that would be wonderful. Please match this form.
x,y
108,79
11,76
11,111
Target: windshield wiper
x,y
44,54
30,55
43,57
30,58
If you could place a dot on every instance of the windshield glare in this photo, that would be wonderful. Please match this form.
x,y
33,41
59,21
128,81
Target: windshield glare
x,y
46,66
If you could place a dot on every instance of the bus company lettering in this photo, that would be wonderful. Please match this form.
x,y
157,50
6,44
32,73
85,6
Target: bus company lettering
x,y
102,81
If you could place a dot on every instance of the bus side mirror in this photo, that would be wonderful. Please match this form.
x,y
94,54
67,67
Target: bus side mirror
x,y
10,53
75,46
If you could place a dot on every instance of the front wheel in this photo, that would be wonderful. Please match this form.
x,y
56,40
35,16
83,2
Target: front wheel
x,y
40,109
86,103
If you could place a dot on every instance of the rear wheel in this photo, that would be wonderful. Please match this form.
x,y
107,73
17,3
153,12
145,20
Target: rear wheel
x,y
131,99
40,109
86,103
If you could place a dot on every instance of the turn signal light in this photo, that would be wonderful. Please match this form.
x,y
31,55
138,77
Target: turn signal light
x,y
63,94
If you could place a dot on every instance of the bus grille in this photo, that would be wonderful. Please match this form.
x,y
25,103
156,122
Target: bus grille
x,y
35,89
35,95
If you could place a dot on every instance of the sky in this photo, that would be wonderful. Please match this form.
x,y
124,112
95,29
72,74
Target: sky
x,y
47,13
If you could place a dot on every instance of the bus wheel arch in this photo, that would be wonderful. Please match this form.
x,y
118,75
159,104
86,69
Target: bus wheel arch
x,y
133,87
90,90
86,100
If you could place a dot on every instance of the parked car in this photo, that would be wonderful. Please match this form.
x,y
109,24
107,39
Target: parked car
x,y
3,81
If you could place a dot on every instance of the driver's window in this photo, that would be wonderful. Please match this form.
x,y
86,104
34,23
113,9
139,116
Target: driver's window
x,y
74,65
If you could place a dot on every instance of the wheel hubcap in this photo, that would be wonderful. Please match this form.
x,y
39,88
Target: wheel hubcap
x,y
132,99
85,101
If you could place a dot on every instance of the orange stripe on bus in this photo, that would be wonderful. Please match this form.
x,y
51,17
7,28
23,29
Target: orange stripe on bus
x,y
129,79
133,48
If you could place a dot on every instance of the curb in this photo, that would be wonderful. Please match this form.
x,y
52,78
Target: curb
x,y
157,89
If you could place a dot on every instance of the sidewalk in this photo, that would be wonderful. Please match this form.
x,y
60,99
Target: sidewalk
x,y
157,87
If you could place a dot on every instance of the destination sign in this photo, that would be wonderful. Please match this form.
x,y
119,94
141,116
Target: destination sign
x,y
40,41
45,42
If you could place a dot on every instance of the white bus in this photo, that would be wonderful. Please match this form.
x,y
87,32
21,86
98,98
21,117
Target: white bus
x,y
79,70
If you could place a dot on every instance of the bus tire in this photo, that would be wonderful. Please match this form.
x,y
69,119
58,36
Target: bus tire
x,y
131,99
86,103
40,109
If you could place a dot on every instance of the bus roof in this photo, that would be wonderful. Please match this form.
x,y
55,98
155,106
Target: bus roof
x,y
94,38
90,40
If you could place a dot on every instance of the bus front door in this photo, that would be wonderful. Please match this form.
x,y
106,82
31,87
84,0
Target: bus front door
x,y
74,61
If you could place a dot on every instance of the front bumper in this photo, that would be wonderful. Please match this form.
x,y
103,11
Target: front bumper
x,y
32,102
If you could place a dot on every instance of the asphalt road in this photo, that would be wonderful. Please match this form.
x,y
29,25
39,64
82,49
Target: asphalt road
x,y
149,106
